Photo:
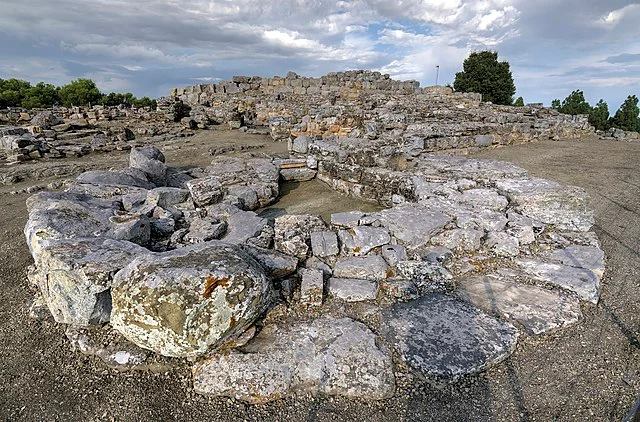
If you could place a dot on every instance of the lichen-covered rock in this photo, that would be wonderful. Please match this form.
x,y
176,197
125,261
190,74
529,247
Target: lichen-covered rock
x,y
205,191
549,202
61,215
583,281
188,301
353,289
365,267
150,160
538,310
444,337
76,277
325,356
412,224
293,233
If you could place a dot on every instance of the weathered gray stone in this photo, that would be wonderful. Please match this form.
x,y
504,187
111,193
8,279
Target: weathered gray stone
x,y
460,239
398,289
76,275
166,196
394,254
301,144
205,229
582,281
188,301
363,267
444,337
412,224
324,244
352,289
298,175
327,356
118,178
61,215
133,227
587,257
150,160
536,309
274,263
247,197
205,191
311,287
503,244
347,219
366,238
549,202
427,276
293,233
484,198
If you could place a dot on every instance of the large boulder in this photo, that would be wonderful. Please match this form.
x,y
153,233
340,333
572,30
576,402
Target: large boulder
x,y
327,356
76,276
46,119
150,160
185,302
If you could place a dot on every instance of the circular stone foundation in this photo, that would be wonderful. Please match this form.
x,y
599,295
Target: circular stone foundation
x,y
455,261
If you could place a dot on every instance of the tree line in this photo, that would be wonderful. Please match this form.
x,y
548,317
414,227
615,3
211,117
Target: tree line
x,y
80,92
483,73
626,118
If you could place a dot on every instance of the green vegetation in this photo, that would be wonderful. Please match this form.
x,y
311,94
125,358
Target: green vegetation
x,y
626,118
483,73
519,102
81,92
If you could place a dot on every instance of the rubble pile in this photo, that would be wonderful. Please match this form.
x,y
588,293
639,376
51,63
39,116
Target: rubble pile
x,y
370,105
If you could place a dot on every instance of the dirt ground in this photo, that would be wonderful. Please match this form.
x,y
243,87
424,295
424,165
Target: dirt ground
x,y
590,371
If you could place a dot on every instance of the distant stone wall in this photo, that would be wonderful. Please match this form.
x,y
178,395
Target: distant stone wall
x,y
335,83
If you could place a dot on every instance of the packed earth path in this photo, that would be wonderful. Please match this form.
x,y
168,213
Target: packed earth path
x,y
588,371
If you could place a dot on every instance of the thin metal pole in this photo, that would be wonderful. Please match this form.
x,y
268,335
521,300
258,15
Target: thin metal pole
x,y
437,73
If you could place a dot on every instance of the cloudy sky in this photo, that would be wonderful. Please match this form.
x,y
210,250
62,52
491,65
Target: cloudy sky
x,y
148,46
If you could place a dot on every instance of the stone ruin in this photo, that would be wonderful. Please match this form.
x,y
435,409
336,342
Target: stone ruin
x,y
466,256
364,104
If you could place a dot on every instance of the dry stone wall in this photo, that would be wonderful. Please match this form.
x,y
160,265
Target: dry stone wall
x,y
364,104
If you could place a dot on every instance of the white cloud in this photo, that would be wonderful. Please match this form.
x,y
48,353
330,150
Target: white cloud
x,y
615,16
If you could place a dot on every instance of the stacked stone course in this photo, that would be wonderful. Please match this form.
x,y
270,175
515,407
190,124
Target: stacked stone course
x,y
365,104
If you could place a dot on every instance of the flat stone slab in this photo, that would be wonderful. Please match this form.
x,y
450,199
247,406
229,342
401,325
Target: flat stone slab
x,y
536,309
587,257
447,338
412,224
327,356
324,243
347,219
353,289
364,267
549,202
582,281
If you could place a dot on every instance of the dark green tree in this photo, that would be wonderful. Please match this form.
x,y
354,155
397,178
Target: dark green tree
x,y
145,102
575,104
80,92
555,104
519,102
483,73
41,95
599,116
627,116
